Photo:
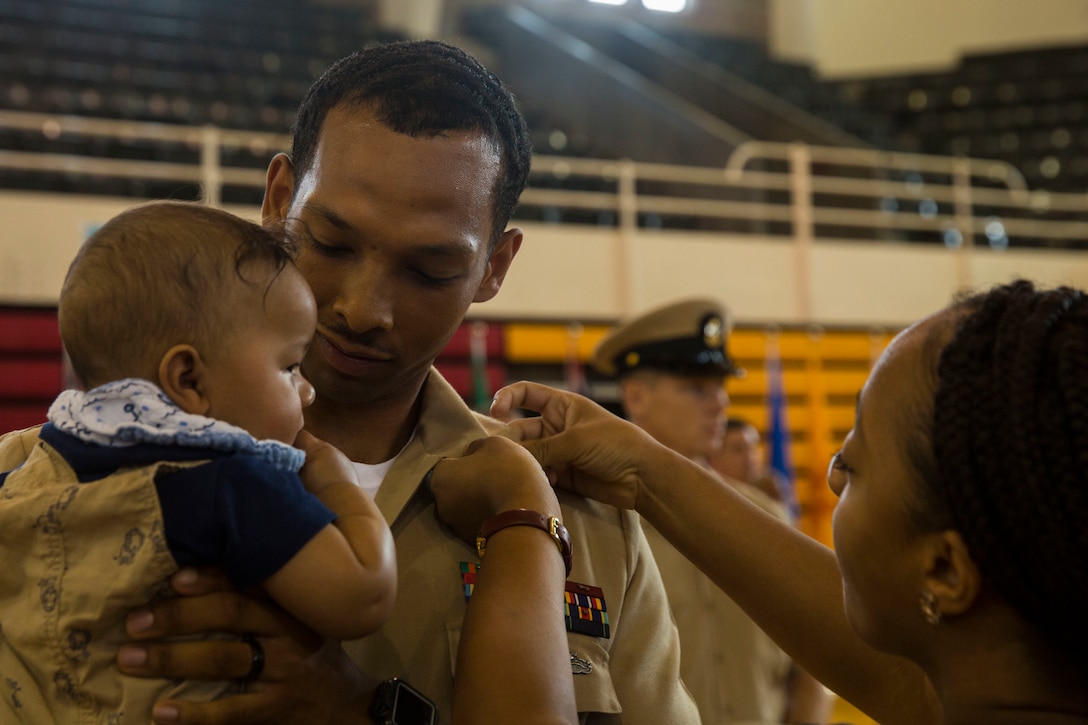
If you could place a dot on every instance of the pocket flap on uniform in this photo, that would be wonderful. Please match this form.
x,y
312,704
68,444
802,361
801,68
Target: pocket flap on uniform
x,y
593,690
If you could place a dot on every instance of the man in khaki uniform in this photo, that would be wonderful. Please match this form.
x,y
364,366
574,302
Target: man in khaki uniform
x,y
406,165
612,675
672,365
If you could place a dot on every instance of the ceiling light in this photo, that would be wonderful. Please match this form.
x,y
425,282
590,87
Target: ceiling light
x,y
666,6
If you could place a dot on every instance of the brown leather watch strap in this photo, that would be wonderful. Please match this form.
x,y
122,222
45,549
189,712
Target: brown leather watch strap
x,y
550,525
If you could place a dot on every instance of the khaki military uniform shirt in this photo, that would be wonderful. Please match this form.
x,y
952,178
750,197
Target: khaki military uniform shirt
x,y
735,672
631,677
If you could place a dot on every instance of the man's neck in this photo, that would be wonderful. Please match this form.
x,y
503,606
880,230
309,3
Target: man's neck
x,y
370,432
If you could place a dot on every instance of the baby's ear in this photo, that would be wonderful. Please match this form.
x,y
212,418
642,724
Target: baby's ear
x,y
181,376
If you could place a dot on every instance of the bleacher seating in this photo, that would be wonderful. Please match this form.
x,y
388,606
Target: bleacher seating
x,y
1026,107
243,64
240,64
31,365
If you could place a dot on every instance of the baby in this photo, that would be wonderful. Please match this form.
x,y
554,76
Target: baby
x,y
186,327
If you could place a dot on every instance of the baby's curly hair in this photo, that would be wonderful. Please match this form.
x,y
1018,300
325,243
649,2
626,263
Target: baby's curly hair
x,y
159,275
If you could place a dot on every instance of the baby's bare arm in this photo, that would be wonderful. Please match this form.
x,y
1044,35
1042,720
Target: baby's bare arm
x,y
342,584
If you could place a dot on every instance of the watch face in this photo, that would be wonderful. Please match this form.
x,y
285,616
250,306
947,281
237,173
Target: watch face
x,y
411,708
398,703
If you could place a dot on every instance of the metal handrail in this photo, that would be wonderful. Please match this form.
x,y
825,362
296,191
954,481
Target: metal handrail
x,y
813,190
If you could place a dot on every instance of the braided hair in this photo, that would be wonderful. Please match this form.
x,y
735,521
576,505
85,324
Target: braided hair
x,y
1010,448
423,89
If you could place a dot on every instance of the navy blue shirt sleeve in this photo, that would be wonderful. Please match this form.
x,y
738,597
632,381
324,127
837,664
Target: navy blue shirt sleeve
x,y
240,514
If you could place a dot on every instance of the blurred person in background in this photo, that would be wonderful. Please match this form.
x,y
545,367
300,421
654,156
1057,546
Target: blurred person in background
x,y
672,364
740,457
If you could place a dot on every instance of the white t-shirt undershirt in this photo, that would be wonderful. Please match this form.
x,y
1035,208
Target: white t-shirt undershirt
x,y
371,475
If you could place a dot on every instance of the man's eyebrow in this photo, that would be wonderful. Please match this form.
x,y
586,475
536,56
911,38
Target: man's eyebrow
x,y
452,248
327,214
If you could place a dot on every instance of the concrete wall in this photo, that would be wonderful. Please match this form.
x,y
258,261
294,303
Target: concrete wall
x,y
844,38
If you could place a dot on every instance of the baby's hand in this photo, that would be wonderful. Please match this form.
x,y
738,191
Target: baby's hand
x,y
325,464
343,582
493,476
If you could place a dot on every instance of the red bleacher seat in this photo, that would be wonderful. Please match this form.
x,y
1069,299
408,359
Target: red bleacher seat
x,y
31,378
23,331
17,417
31,365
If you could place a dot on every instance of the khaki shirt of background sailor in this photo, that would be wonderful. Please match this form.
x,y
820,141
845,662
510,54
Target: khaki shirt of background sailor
x,y
738,675
735,672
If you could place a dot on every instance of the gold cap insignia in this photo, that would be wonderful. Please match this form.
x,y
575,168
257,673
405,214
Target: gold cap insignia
x,y
712,332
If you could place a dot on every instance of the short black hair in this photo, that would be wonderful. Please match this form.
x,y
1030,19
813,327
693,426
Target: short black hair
x,y
731,424
423,88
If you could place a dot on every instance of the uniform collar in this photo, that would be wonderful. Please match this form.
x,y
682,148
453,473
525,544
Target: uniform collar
x,y
446,426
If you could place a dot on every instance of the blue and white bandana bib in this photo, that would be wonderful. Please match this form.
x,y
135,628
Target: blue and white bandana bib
x,y
132,411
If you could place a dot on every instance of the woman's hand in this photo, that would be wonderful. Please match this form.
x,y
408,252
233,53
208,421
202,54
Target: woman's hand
x,y
493,476
582,446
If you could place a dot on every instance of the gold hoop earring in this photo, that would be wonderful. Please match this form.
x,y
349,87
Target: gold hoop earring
x,y
931,608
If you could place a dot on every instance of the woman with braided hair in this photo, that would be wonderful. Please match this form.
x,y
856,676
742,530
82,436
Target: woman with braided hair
x,y
958,589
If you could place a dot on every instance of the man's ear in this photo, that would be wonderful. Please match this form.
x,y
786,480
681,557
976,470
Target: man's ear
x,y
505,250
279,190
951,575
182,377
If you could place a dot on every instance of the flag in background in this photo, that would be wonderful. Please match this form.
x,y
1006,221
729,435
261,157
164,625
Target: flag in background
x,y
477,351
778,430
